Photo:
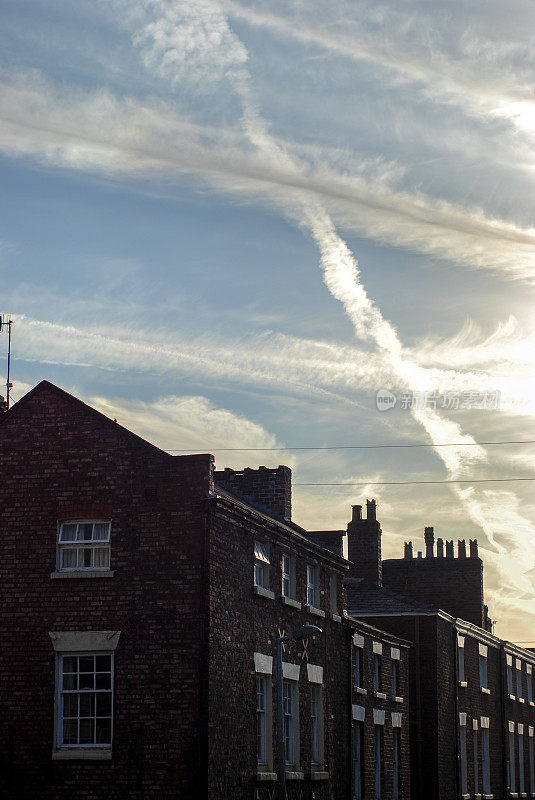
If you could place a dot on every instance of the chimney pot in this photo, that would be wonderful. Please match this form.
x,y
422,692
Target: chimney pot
x,y
473,548
408,550
429,536
461,548
371,509
440,548
449,550
357,512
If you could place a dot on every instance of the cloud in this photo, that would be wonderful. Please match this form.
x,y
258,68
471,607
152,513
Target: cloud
x,y
144,141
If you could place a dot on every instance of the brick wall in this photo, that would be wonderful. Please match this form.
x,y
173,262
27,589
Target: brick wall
x,y
60,459
270,488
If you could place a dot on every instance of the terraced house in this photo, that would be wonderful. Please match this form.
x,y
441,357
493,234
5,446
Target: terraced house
x,y
144,598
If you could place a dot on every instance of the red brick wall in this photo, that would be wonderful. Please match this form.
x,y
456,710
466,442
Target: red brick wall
x,y
60,459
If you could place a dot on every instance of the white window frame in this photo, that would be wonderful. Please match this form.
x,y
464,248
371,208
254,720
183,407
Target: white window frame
x,y
313,586
264,717
288,575
78,645
83,548
509,674
519,688
290,695
317,757
262,564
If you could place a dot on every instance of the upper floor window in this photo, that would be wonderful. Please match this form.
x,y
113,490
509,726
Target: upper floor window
x,y
519,692
509,673
395,679
529,682
313,588
84,544
460,658
333,593
288,576
358,667
261,565
376,672
483,672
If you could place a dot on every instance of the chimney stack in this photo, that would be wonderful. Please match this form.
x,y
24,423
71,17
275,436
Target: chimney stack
x,y
461,548
449,550
473,549
408,550
364,545
429,535
440,548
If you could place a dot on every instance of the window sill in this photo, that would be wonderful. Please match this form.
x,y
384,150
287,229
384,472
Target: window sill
x,y
488,797
485,690
319,776
532,704
83,573
397,699
81,755
463,684
360,690
261,592
335,617
380,695
294,776
289,601
520,699
266,776
316,611
512,697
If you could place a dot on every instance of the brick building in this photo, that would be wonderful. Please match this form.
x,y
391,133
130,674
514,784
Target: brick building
x,y
142,595
472,710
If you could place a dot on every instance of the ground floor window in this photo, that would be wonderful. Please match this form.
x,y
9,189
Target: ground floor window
x,y
85,700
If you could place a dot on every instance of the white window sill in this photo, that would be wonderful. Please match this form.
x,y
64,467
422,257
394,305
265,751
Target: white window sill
x,y
289,601
465,796
316,611
318,775
488,797
532,704
360,690
335,617
80,754
485,690
397,699
512,697
380,695
266,776
261,592
294,775
520,699
84,573
463,684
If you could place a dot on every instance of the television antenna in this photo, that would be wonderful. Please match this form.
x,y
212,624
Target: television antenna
x,y
7,323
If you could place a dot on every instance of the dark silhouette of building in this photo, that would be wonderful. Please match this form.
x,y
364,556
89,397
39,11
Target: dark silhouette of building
x,y
142,595
472,711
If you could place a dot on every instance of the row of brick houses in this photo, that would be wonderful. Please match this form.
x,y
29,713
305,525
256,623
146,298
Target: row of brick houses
x,y
142,597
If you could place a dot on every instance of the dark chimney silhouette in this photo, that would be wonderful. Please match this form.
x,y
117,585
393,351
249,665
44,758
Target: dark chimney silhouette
x,y
429,536
364,545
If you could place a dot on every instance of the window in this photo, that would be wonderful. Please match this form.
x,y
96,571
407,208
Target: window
x,y
358,676
316,718
261,565
396,733
333,593
84,545
288,576
395,678
511,761
460,658
519,691
485,755
529,682
289,701
378,761
509,675
376,672
261,721
264,712
475,727
521,777
358,760
462,754
483,667
531,755
313,589
85,700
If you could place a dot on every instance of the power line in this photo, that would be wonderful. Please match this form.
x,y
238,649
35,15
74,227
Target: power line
x,y
349,447
406,483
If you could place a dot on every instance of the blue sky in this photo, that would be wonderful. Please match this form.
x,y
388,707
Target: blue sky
x,y
229,224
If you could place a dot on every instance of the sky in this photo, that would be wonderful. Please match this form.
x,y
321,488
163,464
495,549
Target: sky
x,y
232,224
